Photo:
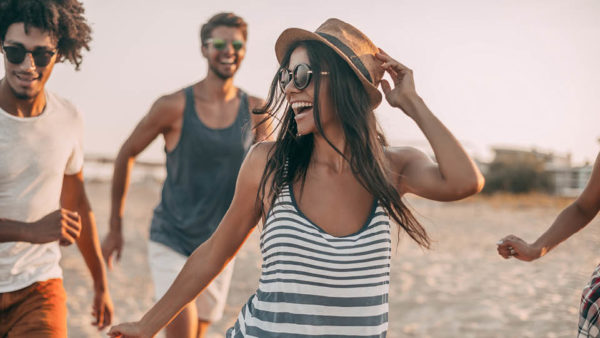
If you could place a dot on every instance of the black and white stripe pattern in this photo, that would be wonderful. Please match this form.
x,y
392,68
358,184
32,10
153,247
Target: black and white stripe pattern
x,y
315,284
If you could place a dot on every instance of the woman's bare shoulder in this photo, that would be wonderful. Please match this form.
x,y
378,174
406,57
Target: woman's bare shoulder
x,y
256,160
261,151
399,157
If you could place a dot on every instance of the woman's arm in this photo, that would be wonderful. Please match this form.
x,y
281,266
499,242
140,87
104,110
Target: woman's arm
x,y
455,176
572,219
210,257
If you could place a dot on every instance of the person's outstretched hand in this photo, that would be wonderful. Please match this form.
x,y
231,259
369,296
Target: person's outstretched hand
x,y
127,330
513,246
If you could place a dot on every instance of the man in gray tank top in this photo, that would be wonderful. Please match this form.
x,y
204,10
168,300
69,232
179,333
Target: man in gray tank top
x,y
208,128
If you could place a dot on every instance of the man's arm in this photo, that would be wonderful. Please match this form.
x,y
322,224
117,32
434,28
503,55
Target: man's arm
x,y
73,197
161,118
14,231
261,123
60,225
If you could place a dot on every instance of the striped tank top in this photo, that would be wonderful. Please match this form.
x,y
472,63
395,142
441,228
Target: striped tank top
x,y
314,284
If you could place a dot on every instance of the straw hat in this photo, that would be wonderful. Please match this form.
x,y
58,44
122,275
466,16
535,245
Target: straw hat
x,y
351,45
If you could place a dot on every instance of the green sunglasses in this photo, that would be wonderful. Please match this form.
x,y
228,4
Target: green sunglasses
x,y
221,44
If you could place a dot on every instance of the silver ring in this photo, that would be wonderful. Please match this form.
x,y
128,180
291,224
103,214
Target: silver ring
x,y
512,251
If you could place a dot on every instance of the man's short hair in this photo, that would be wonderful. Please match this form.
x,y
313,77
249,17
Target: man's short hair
x,y
223,19
63,19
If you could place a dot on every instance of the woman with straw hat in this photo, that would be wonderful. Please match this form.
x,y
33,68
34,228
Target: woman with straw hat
x,y
325,191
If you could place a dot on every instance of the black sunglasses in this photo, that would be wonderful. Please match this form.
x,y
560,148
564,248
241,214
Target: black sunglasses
x,y
220,44
301,76
16,54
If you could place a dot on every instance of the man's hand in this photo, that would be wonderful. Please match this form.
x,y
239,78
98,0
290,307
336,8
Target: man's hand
x,y
102,309
61,225
112,245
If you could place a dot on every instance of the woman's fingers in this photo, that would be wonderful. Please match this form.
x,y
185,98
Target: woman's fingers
x,y
397,73
383,56
125,330
71,222
70,229
66,238
395,66
385,86
397,70
74,215
114,331
394,75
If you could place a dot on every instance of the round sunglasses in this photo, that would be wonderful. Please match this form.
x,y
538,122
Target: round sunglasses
x,y
220,44
16,55
300,75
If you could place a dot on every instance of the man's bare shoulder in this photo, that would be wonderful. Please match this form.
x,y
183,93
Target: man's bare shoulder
x,y
171,103
167,109
261,120
255,102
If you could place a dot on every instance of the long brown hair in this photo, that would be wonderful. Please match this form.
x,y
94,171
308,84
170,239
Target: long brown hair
x,y
364,138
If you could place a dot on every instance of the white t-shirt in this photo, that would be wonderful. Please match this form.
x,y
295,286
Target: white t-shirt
x,y
35,154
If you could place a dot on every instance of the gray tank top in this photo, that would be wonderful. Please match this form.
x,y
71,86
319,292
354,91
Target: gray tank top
x,y
201,175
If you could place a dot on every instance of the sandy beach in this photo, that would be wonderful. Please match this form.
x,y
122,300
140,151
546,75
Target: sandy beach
x,y
459,288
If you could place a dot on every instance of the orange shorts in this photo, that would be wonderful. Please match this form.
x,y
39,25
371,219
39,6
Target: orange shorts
x,y
39,310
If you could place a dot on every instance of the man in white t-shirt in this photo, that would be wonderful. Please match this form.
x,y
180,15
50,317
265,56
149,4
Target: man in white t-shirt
x,y
42,198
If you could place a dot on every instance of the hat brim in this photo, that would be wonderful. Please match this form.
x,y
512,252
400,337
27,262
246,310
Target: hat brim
x,y
292,35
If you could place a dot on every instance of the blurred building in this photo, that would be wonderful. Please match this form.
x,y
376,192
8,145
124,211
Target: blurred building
x,y
566,179
570,181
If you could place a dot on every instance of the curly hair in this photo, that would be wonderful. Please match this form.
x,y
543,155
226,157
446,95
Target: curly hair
x,y
63,19
223,19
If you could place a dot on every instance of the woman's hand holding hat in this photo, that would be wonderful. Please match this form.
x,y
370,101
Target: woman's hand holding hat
x,y
403,94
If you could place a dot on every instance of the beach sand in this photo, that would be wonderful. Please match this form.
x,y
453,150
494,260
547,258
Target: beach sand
x,y
459,288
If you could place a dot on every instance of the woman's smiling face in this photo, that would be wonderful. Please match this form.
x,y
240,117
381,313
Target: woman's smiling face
x,y
302,100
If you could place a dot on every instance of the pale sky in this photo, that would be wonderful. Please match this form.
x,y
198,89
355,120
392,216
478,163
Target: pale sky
x,y
519,73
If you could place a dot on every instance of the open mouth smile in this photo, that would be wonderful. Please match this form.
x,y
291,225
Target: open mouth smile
x,y
301,107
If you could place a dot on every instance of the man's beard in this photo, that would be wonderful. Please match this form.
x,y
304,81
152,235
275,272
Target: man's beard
x,y
21,96
219,74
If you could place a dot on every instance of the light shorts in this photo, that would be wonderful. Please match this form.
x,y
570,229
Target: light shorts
x,y
165,264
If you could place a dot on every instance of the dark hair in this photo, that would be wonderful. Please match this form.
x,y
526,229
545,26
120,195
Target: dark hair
x,y
363,136
222,19
63,19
